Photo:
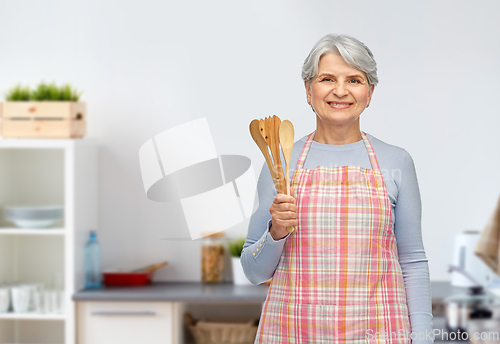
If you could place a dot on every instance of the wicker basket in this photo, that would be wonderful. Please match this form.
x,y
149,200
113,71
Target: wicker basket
x,y
222,331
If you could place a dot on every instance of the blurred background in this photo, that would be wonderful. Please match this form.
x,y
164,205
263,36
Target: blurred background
x,y
148,66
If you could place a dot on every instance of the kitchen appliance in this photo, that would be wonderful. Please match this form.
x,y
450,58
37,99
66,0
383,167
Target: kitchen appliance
x,y
475,304
465,259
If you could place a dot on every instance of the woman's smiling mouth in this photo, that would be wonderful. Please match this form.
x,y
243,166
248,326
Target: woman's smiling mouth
x,y
339,105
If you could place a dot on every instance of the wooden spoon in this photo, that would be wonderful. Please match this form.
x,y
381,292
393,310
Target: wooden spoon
x,y
259,140
276,139
262,126
286,140
266,134
151,268
286,135
273,143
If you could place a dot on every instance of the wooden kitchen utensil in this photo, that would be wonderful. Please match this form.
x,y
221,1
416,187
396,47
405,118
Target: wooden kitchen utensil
x,y
286,136
488,245
255,131
262,126
276,139
286,140
266,131
272,132
272,140
151,268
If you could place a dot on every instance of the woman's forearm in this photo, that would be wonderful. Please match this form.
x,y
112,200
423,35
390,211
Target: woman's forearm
x,y
261,253
260,258
411,254
416,277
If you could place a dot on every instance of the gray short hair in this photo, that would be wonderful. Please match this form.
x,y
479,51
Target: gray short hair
x,y
355,54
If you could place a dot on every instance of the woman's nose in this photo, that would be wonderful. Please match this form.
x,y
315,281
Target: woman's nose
x,y
339,90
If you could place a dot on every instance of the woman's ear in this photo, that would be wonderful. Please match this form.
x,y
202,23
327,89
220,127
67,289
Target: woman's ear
x,y
372,88
308,92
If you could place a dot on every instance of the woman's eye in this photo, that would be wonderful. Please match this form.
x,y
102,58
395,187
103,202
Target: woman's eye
x,y
327,79
354,81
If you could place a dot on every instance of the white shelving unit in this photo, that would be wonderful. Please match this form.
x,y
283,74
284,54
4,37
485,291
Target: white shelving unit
x,y
32,316
46,172
19,231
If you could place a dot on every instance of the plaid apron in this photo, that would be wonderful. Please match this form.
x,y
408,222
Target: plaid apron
x,y
339,278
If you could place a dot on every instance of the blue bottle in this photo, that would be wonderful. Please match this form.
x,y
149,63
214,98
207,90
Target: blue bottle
x,y
92,262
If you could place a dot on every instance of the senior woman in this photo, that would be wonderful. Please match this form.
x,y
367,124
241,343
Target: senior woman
x,y
355,271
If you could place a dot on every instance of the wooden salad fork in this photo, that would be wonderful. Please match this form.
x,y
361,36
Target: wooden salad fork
x,y
257,136
286,135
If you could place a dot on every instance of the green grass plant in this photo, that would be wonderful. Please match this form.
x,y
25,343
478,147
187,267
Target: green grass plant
x,y
18,93
44,92
236,247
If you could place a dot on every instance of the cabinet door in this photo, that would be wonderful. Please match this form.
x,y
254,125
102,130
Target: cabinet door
x,y
125,323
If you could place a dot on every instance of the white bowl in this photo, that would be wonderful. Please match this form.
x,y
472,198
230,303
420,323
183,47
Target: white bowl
x,y
33,216
34,224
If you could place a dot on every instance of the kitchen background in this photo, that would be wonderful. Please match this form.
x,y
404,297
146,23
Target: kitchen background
x,y
146,66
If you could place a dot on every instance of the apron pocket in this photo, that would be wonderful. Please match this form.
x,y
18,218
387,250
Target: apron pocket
x,y
283,322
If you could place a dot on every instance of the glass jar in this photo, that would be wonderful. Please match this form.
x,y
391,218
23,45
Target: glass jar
x,y
212,258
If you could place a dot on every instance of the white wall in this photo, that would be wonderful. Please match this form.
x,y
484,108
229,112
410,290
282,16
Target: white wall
x,y
146,66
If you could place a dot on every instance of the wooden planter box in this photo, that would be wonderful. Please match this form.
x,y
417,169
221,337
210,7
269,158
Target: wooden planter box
x,y
47,119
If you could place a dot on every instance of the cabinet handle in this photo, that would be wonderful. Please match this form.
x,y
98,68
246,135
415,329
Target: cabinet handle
x,y
119,314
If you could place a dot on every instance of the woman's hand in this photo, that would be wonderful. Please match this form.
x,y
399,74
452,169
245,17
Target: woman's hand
x,y
284,214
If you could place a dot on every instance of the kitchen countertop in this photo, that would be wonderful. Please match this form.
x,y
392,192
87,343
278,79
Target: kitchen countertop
x,y
197,291
442,289
230,293
177,292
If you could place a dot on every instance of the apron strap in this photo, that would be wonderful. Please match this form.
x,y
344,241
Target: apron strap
x,y
305,150
369,148
371,152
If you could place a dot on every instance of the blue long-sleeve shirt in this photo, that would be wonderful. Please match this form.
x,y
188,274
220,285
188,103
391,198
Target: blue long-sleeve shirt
x,y
400,178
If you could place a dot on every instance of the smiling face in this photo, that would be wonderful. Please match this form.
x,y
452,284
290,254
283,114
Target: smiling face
x,y
339,93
